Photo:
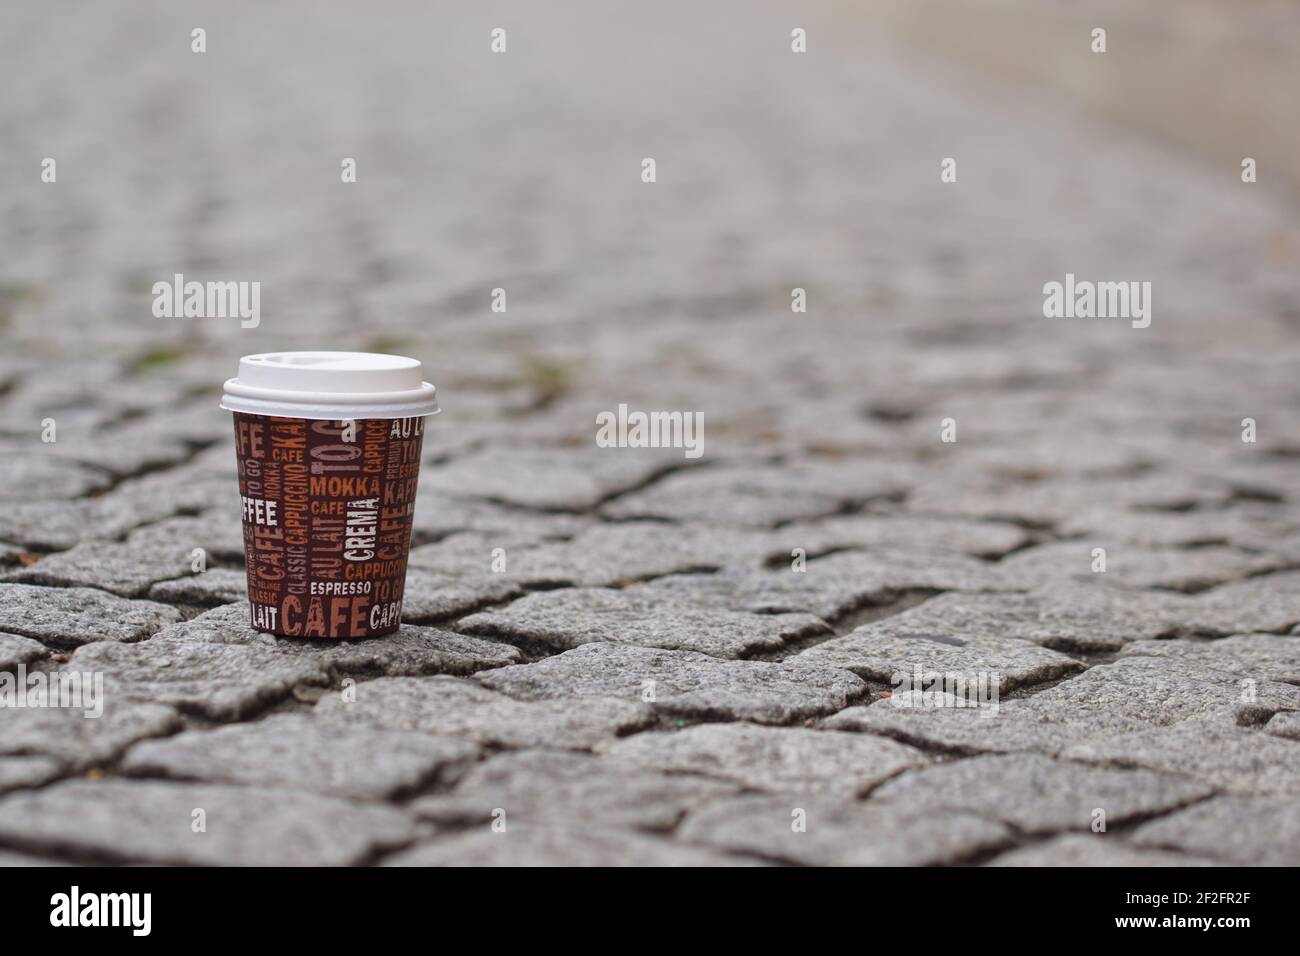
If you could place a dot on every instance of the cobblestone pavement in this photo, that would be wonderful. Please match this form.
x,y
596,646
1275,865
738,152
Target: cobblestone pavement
x,y
1164,692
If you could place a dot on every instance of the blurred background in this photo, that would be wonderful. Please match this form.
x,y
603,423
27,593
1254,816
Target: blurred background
x,y
775,170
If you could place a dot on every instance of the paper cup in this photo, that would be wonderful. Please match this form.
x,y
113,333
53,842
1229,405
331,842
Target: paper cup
x,y
328,445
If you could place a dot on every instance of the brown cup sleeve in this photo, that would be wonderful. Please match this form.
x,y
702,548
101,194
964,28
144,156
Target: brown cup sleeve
x,y
327,508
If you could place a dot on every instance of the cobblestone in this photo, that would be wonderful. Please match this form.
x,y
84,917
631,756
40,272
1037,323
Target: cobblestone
x,y
294,752
562,846
15,650
644,657
1232,759
1132,566
216,681
27,771
68,736
1141,690
69,617
615,554
783,759
541,788
1265,830
1075,849
148,556
154,822
1270,603
1066,618
890,654
683,684
833,586
562,620
841,834
412,650
1040,795
447,705
1265,656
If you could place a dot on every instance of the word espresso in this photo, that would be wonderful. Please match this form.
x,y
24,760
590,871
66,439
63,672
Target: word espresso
x,y
327,512
1098,300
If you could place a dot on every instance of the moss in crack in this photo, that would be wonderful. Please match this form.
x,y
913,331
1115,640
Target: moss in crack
x,y
547,379
13,294
157,357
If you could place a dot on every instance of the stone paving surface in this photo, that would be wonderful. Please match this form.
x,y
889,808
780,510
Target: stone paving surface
x,y
631,656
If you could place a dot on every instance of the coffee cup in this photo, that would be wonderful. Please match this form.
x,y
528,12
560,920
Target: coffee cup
x,y
328,446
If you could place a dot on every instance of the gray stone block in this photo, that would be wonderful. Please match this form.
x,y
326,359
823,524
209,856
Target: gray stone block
x,y
212,588
1269,657
765,496
1134,566
1040,795
80,742
544,788
946,724
435,597
70,617
15,650
1094,849
1233,759
36,476
217,681
148,556
832,586
127,821
902,532
789,760
1138,691
291,751
17,772
558,846
1067,618
612,554
412,650
448,705
890,653
1247,831
1284,725
1267,603
571,617
683,684
564,480
874,833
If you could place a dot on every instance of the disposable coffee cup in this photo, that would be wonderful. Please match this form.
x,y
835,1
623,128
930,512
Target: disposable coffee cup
x,y
328,445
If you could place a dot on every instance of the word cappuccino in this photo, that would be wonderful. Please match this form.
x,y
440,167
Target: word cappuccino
x,y
1098,300
179,299
651,430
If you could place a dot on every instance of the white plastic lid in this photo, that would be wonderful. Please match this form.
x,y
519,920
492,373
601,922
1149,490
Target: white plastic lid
x,y
330,385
